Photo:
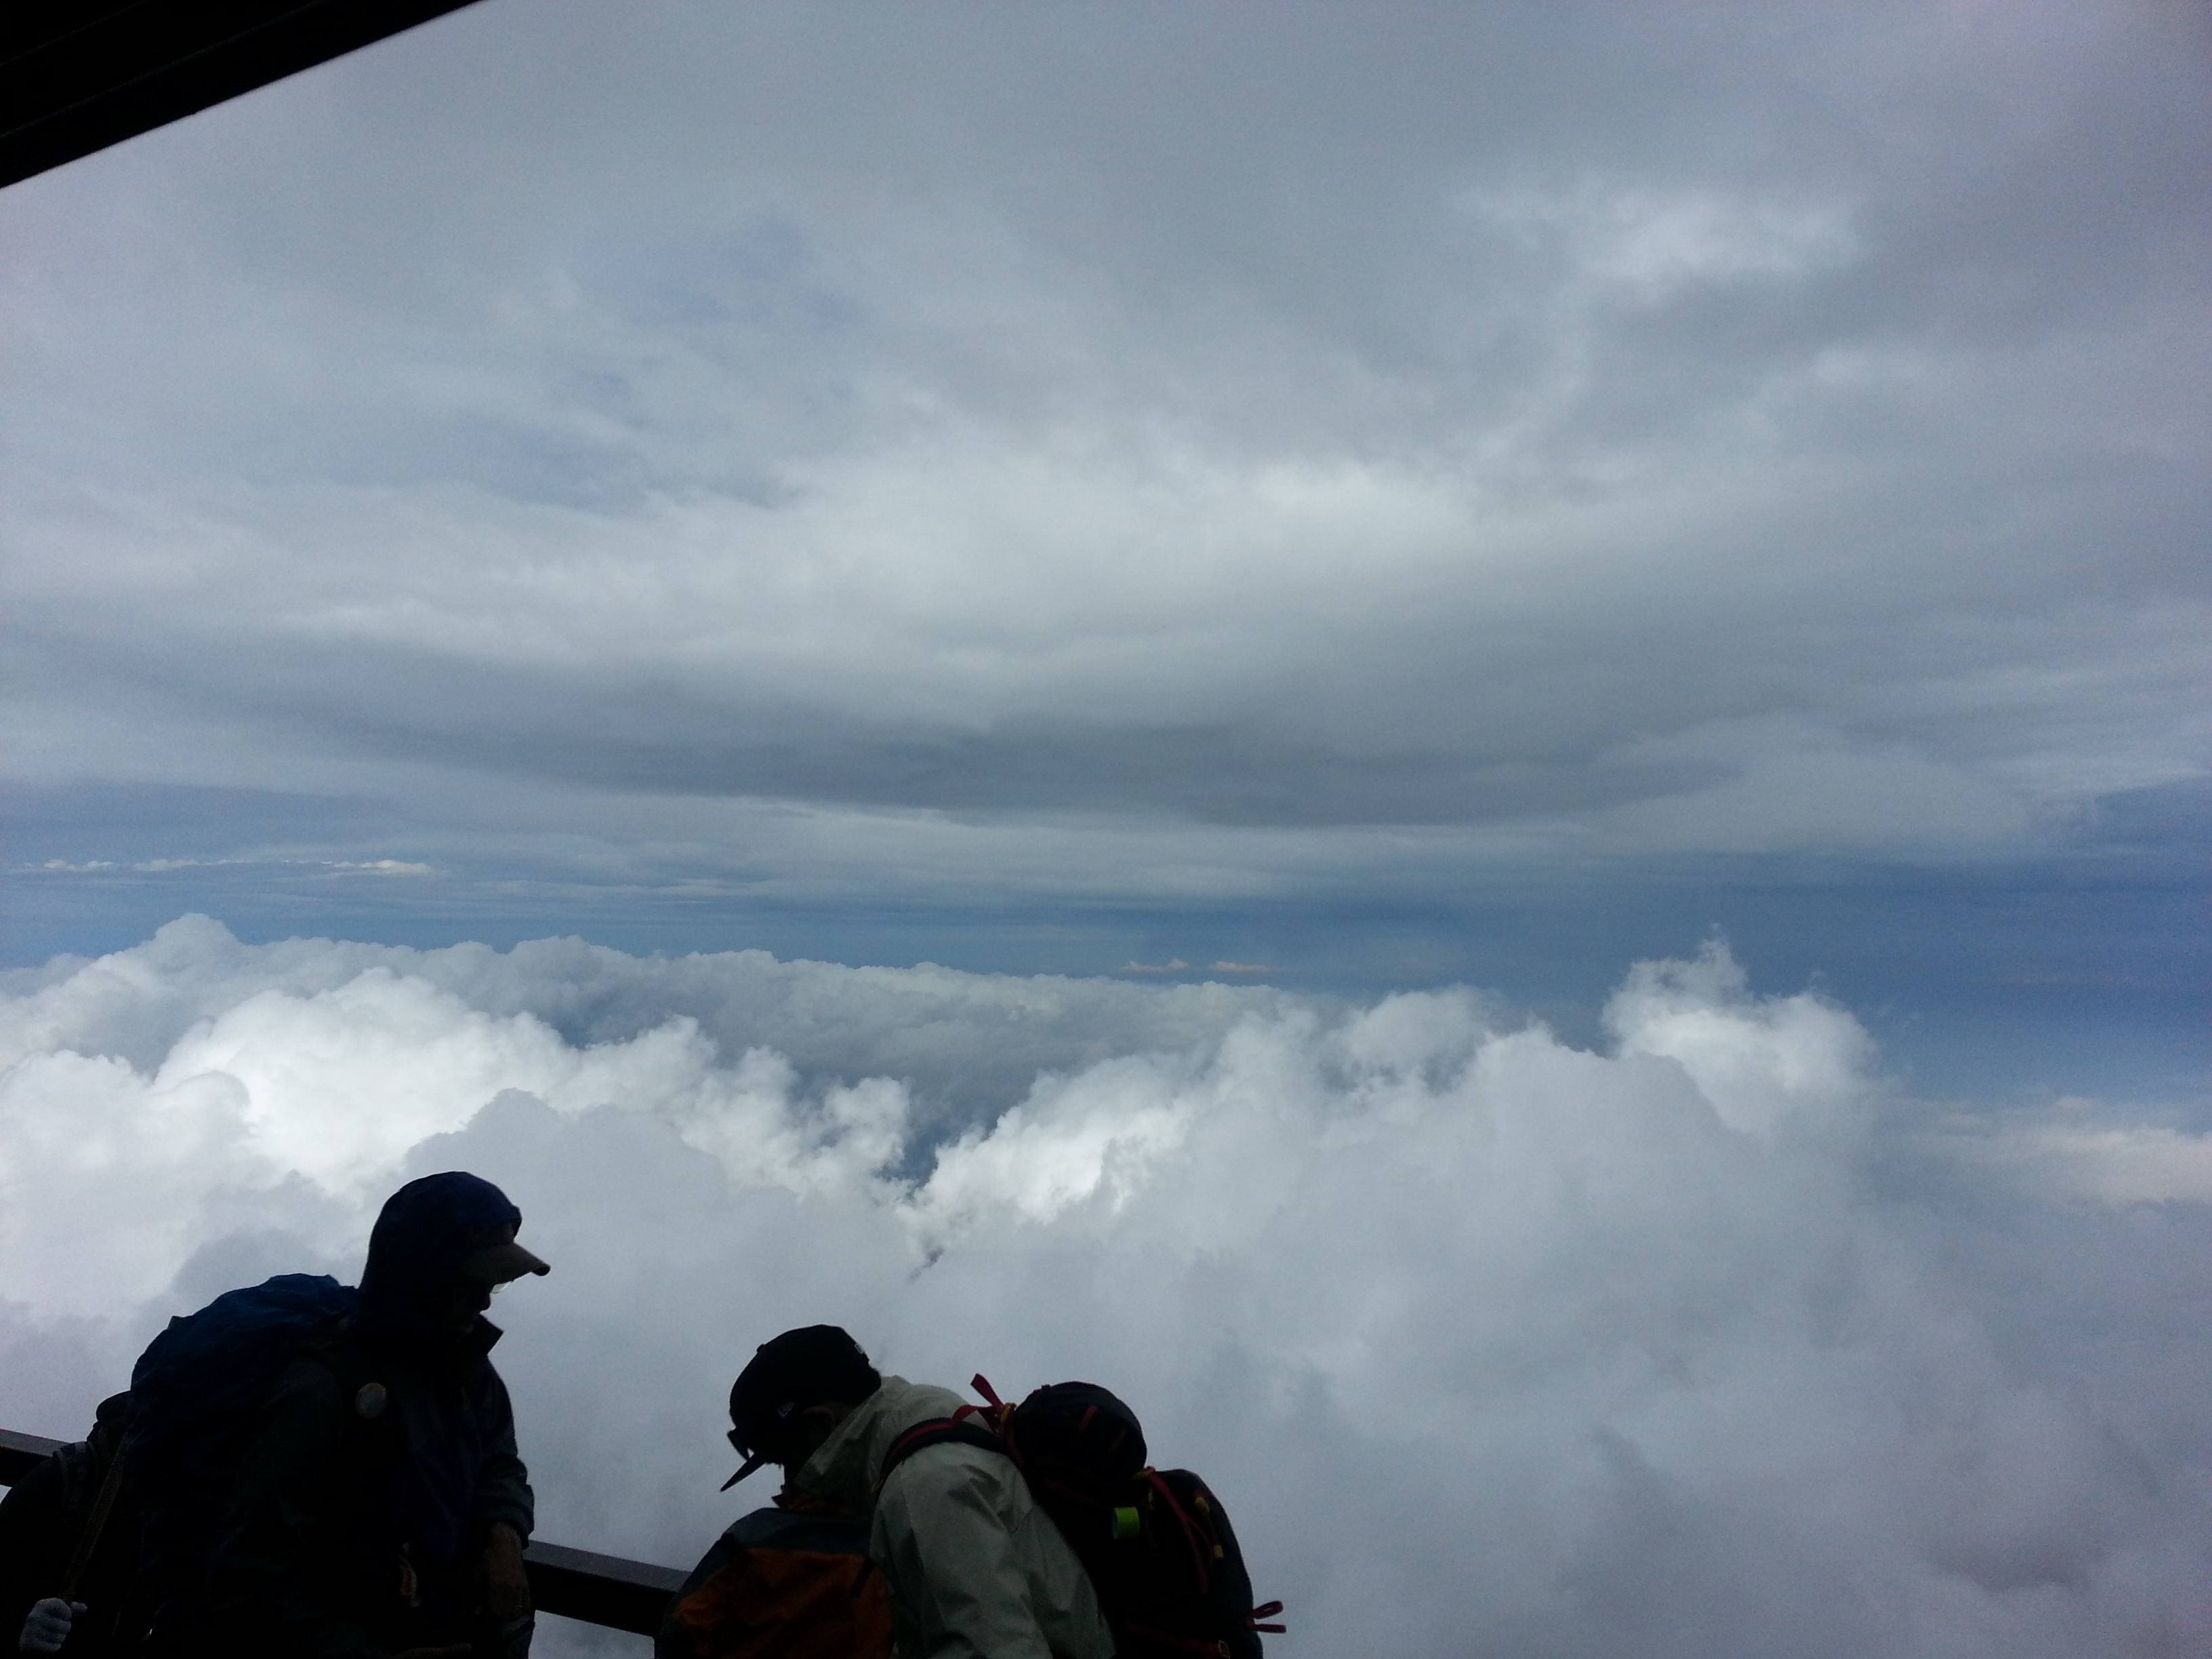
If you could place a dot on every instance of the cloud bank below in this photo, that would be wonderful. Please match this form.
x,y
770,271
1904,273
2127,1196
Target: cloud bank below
x,y
1705,1342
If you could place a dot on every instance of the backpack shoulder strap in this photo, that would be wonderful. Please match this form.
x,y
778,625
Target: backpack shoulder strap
x,y
95,1523
938,1432
77,1468
373,1433
341,1357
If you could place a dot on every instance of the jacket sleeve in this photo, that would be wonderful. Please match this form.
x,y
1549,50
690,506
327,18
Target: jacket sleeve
x,y
950,1532
503,1486
269,1569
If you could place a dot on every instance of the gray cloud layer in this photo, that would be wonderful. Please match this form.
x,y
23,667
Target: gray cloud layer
x,y
1594,431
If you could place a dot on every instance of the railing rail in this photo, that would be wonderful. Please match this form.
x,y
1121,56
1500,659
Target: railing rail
x,y
598,1589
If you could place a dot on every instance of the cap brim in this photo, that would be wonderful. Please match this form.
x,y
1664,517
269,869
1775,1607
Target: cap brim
x,y
496,1264
752,1464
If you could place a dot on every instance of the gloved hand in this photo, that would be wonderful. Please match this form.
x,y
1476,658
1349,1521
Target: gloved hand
x,y
48,1625
507,1582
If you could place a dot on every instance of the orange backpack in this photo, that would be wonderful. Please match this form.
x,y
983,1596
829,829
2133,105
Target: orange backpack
x,y
781,1583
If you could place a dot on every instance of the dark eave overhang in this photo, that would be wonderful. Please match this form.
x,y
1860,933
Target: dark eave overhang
x,y
77,75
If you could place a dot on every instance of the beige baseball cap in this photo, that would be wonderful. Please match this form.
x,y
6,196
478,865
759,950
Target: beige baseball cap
x,y
499,1261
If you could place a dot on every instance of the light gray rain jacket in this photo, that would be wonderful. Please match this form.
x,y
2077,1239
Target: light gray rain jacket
x,y
976,1570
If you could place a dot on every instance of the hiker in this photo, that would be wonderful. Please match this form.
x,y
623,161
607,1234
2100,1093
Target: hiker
x,y
975,1568
376,1504
66,1544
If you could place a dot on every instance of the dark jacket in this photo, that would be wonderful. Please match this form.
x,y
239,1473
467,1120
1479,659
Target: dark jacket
x,y
349,1536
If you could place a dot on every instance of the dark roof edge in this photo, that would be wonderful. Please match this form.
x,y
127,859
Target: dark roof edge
x,y
75,78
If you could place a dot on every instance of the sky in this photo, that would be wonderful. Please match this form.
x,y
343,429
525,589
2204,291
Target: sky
x,y
1380,499
1502,706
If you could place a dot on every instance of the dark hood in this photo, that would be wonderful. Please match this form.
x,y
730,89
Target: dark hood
x,y
426,1230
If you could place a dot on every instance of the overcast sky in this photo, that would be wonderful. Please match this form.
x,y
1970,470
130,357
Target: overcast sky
x,y
1351,496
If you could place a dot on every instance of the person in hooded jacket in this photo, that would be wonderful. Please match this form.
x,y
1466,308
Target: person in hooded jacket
x,y
975,1569
381,1507
57,1534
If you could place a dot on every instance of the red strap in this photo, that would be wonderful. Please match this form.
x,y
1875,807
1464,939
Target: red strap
x,y
1192,1644
1169,1639
1201,1549
999,1414
935,1432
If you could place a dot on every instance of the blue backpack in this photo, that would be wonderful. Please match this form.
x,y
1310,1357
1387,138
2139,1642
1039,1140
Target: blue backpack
x,y
196,1393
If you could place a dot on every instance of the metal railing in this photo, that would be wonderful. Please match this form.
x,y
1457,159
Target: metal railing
x,y
597,1589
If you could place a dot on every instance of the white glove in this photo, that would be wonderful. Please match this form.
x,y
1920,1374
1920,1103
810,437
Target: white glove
x,y
48,1626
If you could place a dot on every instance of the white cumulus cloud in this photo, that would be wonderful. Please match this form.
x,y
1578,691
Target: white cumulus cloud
x,y
1701,1344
